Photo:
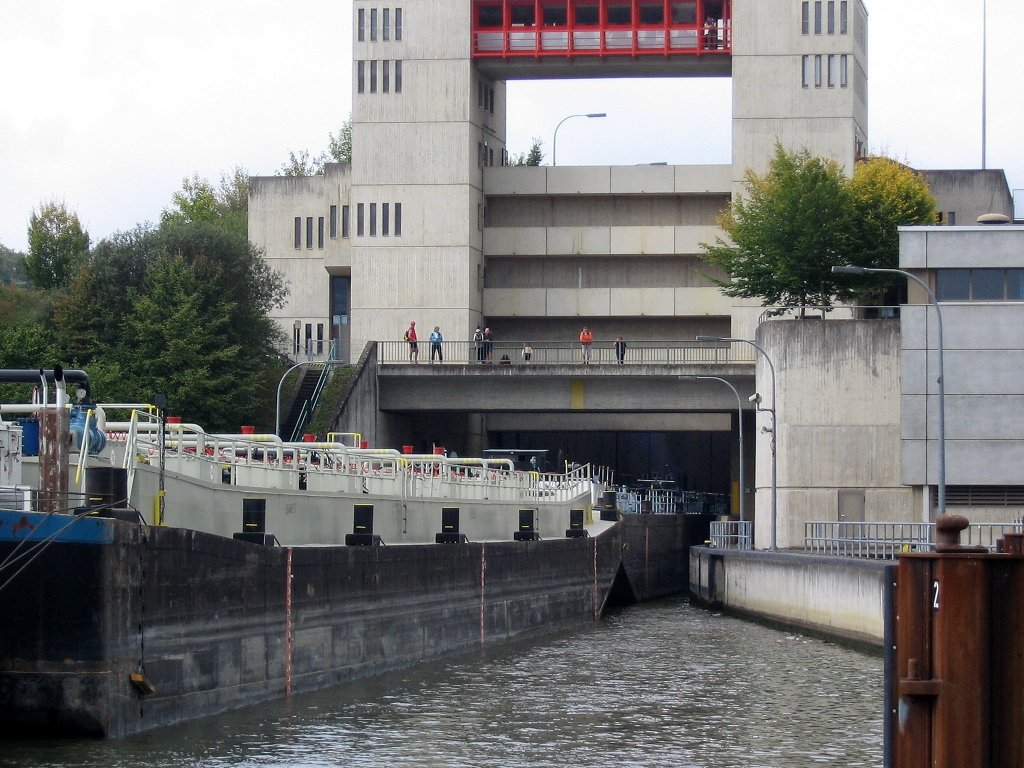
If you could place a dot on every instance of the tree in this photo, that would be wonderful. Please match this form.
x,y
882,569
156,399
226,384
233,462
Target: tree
x,y
302,164
886,194
339,148
534,157
787,230
57,245
12,267
178,334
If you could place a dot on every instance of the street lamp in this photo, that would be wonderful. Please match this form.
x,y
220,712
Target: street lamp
x,y
841,270
554,140
739,415
774,431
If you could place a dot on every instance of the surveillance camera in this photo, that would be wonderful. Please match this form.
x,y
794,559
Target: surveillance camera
x,y
767,430
755,398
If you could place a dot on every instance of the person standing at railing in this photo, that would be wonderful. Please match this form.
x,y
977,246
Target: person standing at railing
x,y
527,353
620,350
435,344
586,339
478,344
414,347
488,344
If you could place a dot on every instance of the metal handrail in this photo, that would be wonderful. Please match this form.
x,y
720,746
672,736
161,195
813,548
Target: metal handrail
x,y
886,540
732,534
602,352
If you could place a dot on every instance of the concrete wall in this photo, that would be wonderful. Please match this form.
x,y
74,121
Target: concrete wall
x,y
983,365
838,423
841,597
963,196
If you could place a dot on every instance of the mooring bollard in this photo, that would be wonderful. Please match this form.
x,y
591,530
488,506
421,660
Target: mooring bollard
x,y
956,678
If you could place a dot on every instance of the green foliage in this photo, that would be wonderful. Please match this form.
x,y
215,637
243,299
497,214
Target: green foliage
x,y
534,157
21,306
886,194
12,267
198,202
57,245
339,150
803,216
329,404
30,346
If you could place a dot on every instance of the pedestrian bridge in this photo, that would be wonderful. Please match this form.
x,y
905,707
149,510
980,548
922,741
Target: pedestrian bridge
x,y
654,377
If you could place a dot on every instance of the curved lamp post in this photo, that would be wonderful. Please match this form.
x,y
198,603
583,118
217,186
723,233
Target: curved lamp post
x,y
554,140
841,270
773,430
739,415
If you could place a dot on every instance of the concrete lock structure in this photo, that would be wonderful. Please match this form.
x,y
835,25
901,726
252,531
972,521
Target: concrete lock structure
x,y
428,221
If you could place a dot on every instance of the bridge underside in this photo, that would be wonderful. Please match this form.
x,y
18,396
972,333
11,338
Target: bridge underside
x,y
561,68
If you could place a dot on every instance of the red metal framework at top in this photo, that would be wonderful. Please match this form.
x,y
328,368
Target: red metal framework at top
x,y
509,29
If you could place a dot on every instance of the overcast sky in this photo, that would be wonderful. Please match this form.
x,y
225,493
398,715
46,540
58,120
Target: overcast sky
x,y
107,105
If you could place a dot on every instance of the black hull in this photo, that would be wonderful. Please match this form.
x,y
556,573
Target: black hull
x,y
209,622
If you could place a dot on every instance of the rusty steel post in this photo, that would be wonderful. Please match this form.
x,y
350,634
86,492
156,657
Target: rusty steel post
x,y
956,682
53,460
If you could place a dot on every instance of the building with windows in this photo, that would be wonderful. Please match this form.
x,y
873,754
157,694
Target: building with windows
x,y
430,223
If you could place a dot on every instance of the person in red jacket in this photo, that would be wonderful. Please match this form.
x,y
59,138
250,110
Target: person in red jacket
x,y
586,339
414,347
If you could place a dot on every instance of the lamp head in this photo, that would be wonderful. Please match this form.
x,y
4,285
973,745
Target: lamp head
x,y
844,270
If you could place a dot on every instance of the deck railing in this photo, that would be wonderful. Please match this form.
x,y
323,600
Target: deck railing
x,y
544,353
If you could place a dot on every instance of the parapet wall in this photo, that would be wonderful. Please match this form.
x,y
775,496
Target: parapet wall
x,y
846,598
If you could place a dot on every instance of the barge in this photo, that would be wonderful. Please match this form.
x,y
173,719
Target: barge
x,y
188,574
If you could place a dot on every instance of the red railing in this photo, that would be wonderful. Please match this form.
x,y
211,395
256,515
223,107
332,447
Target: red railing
x,y
570,28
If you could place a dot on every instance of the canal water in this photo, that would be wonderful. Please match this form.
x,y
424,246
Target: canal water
x,y
661,684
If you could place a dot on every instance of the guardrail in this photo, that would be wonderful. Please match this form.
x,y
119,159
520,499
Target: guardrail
x,y
602,352
732,534
886,540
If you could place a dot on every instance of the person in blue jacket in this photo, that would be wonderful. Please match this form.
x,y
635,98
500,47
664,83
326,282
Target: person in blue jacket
x,y
435,344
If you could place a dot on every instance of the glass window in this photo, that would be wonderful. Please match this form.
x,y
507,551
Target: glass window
x,y
952,284
398,23
652,13
360,76
817,71
987,285
805,73
373,77
522,15
620,13
361,25
334,221
554,15
489,16
831,17
309,231
587,15
398,219
831,70
298,231
817,17
398,76
1015,284
385,75
385,223
359,219
842,71
373,24
344,221
373,219
386,24
320,232
805,17
685,12
842,17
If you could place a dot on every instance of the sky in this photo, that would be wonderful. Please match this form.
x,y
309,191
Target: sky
x,y
108,105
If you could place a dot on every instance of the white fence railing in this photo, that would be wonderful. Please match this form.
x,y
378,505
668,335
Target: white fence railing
x,y
732,534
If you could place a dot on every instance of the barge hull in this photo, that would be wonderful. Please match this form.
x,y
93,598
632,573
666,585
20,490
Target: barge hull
x,y
210,623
